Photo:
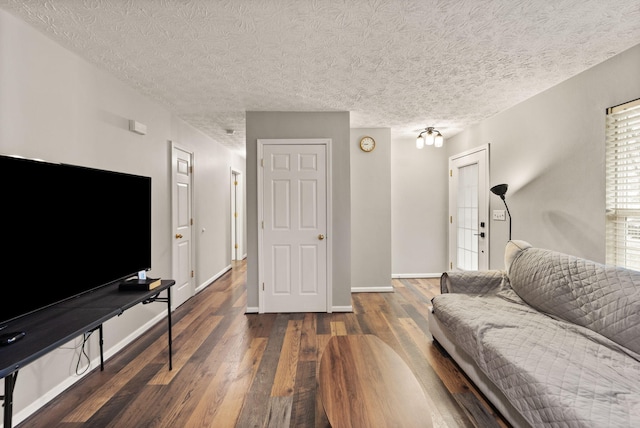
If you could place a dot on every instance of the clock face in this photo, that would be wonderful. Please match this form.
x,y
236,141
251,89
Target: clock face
x,y
367,144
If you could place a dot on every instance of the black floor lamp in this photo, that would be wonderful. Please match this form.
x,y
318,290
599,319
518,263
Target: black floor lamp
x,y
500,190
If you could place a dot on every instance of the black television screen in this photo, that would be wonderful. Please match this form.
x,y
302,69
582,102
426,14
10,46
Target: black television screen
x,y
68,230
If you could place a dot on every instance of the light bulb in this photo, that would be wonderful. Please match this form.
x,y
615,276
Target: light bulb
x,y
439,139
430,138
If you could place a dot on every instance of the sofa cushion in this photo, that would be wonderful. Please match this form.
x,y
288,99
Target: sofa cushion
x,y
555,373
512,250
474,282
605,299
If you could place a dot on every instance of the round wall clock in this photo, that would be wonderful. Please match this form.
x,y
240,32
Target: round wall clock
x,y
367,144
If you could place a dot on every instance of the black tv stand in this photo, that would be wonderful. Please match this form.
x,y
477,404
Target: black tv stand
x,y
52,327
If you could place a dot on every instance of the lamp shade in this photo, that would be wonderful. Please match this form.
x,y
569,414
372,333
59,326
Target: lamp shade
x,y
429,138
439,140
419,142
500,189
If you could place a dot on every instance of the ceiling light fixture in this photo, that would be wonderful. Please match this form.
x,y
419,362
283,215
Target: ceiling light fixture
x,y
429,137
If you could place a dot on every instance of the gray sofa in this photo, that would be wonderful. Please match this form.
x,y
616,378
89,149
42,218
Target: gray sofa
x,y
553,340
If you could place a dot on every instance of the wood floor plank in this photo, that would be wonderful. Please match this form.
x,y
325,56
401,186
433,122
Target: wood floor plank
x,y
213,396
323,323
338,328
114,407
362,323
285,378
279,412
476,412
260,325
196,337
227,414
304,400
378,325
352,323
240,361
254,412
373,302
357,302
308,345
131,411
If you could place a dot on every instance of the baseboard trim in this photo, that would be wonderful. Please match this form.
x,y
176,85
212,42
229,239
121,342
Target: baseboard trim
x,y
254,310
416,275
387,289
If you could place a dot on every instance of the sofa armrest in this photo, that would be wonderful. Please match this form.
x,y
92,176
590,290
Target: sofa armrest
x,y
473,282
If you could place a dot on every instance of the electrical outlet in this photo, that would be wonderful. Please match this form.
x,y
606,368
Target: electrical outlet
x,y
499,215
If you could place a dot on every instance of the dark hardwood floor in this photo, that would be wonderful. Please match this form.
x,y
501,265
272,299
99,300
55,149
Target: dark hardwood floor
x,y
232,369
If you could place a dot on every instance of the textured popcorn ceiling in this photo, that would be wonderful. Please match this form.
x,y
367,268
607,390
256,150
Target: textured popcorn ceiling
x,y
402,64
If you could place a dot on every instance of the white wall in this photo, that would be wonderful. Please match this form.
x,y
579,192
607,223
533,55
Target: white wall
x,y
419,209
57,107
550,150
371,211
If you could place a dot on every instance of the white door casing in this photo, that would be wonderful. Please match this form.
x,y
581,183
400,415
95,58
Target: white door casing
x,y
294,225
181,219
469,210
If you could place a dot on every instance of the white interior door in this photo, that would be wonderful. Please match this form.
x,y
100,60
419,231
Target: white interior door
x,y
469,210
294,232
184,288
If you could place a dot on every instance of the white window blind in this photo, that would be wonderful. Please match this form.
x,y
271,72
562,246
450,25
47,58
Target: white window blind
x,y
623,185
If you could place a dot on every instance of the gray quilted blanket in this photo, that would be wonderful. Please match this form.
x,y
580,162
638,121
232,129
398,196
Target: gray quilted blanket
x,y
548,342
555,373
605,299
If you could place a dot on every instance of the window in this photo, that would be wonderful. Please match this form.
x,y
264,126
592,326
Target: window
x,y
623,185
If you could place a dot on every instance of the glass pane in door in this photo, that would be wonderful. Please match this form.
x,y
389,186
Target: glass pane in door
x,y
467,217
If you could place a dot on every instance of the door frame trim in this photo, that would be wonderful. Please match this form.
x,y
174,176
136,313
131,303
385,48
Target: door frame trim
x,y
487,157
329,234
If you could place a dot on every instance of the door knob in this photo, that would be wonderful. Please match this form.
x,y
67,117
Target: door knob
x,y
321,237
178,236
481,234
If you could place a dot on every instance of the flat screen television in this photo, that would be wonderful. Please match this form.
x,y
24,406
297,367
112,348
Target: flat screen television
x,y
68,230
